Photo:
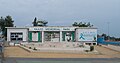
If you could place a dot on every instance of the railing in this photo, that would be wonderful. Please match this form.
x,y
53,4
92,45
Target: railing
x,y
111,43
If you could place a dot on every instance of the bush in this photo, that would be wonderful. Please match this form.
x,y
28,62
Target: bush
x,y
30,48
81,46
67,45
91,48
86,50
73,45
34,48
54,46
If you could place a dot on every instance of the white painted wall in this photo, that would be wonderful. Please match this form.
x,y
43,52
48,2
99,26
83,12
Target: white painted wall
x,y
24,31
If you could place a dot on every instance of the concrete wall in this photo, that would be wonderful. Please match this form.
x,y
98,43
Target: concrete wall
x,y
24,31
116,48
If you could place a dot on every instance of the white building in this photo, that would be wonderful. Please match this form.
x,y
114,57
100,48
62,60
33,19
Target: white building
x,y
52,34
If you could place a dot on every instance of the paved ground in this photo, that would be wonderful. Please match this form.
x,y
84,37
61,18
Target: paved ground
x,y
108,52
21,53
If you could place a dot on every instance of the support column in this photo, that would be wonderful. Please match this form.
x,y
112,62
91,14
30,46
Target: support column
x,y
8,35
60,36
42,36
63,34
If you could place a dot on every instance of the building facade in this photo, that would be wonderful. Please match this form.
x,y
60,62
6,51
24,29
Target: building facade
x,y
52,34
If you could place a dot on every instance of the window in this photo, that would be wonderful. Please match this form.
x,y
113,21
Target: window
x,y
16,36
52,36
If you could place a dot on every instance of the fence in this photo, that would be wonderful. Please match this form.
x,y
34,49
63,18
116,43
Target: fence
x,y
101,41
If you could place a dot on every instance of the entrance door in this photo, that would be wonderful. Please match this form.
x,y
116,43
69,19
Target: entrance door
x,y
52,36
68,36
35,36
55,37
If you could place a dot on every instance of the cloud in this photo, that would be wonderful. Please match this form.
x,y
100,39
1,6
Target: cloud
x,y
64,12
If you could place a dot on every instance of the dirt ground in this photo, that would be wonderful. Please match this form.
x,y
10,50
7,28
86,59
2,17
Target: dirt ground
x,y
21,53
108,52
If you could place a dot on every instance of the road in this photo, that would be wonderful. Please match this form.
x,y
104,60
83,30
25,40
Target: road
x,y
62,60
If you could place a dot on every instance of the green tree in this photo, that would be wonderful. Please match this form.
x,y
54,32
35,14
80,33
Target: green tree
x,y
34,22
45,23
6,22
2,21
75,24
9,21
81,24
89,24
39,22
42,23
105,36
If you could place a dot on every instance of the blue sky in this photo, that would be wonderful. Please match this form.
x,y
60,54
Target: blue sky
x,y
65,12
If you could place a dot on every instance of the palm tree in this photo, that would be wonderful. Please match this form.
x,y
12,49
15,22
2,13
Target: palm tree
x,y
39,22
34,22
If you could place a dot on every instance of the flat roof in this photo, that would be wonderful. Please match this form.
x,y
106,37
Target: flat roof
x,y
49,26
16,27
86,28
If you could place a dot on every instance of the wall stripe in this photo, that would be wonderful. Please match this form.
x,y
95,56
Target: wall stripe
x,y
30,36
39,37
73,36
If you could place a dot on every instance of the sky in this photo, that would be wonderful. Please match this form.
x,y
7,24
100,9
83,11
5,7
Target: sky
x,y
103,14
